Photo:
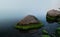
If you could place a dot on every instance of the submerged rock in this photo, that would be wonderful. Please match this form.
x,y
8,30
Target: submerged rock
x,y
45,32
45,36
53,16
58,31
29,22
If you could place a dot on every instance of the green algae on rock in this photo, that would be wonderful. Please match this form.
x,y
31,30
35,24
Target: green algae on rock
x,y
50,19
45,36
58,20
58,31
31,26
53,16
45,32
29,22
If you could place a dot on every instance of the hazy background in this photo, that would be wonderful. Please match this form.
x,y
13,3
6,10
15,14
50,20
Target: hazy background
x,y
12,11
18,8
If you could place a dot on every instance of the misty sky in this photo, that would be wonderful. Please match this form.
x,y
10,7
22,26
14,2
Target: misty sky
x,y
23,4
13,10
55,4
17,8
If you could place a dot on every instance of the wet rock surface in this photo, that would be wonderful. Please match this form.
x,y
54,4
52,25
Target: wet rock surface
x,y
53,16
29,22
30,19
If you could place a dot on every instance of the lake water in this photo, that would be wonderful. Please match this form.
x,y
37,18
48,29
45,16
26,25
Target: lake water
x,y
7,28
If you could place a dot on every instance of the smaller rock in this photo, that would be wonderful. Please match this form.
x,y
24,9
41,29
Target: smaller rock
x,y
53,16
53,13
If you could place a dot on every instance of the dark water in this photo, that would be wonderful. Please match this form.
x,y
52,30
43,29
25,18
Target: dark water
x,y
7,29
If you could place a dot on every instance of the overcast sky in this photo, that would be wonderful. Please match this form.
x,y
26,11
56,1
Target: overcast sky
x,y
15,8
23,4
55,4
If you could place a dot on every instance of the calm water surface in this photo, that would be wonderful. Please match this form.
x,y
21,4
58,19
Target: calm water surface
x,y
7,28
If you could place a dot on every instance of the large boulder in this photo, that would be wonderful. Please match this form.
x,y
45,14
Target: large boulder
x,y
29,22
53,16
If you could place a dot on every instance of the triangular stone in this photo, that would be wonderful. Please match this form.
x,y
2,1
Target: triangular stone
x,y
30,19
29,22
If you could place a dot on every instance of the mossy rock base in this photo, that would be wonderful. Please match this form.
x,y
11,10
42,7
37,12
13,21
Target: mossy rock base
x,y
45,36
28,31
29,27
44,32
50,19
58,31
58,20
